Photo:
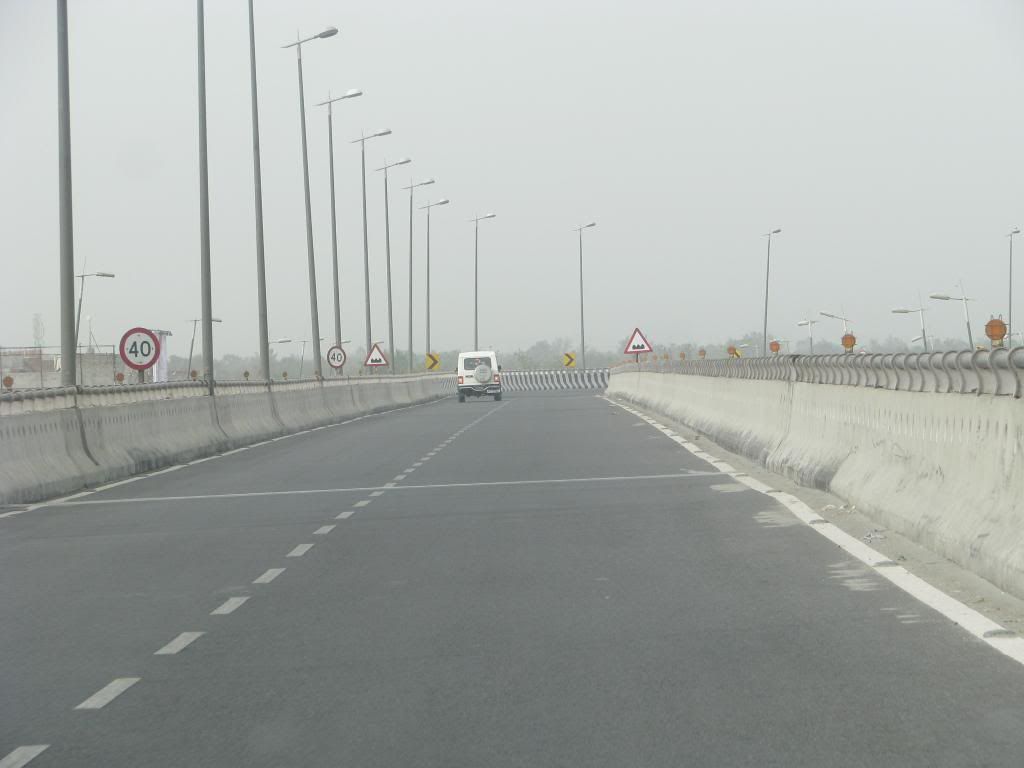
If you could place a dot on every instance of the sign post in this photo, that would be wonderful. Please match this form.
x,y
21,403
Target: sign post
x,y
140,349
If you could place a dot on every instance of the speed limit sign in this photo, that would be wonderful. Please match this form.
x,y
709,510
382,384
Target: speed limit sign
x,y
139,348
336,357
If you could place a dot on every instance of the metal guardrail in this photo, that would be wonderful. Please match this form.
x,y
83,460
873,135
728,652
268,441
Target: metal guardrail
x,y
54,398
998,372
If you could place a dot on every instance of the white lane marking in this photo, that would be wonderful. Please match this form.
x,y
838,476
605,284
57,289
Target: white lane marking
x,y
179,643
323,530
424,459
230,605
173,468
12,514
408,471
268,576
389,485
418,464
108,693
300,550
345,515
22,755
108,486
362,503
995,635
399,478
379,490
200,461
61,500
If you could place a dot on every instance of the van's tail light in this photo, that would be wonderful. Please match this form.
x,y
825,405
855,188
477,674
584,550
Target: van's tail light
x,y
460,380
496,378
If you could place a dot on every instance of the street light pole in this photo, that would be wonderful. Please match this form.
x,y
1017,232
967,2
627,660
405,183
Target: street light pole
x,y
366,237
310,261
68,340
412,186
810,331
583,337
920,311
257,174
206,291
1009,317
963,297
476,277
427,207
192,344
767,273
387,251
334,213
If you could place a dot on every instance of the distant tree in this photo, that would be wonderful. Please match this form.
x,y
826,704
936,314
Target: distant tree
x,y
38,330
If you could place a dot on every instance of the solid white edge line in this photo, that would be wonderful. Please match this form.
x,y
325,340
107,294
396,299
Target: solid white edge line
x,y
230,605
268,576
981,627
179,643
108,693
300,550
323,530
22,755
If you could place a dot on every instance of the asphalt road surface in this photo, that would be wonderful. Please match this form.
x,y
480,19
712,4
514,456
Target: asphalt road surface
x,y
545,581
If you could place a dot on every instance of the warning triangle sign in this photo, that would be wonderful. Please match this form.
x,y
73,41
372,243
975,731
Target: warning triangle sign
x,y
376,358
637,344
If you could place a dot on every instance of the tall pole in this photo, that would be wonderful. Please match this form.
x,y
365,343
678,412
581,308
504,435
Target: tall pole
x,y
204,206
311,264
967,315
68,374
583,343
334,229
476,284
366,251
387,251
1009,316
428,350
257,175
412,188
924,335
767,273
78,312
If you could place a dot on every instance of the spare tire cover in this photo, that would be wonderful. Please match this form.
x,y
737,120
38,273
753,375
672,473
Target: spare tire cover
x,y
482,374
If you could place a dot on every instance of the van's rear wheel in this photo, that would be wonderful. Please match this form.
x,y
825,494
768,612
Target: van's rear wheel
x,y
497,397
462,398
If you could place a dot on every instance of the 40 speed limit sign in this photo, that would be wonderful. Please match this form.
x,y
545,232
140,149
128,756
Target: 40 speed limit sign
x,y
139,348
336,357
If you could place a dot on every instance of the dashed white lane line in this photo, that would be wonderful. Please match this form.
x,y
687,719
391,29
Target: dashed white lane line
x,y
377,493
399,478
108,693
22,755
179,643
995,635
300,550
268,576
230,605
418,464
409,470
323,530
362,503
345,515
389,485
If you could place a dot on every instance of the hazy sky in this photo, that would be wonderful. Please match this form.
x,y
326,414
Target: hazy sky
x,y
883,136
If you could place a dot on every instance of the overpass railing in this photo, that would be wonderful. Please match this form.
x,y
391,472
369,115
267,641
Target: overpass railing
x,y
998,372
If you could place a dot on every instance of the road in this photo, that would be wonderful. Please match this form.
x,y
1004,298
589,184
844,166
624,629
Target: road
x,y
545,581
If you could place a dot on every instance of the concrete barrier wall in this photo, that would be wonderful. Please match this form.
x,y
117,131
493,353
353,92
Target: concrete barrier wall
x,y
943,469
66,440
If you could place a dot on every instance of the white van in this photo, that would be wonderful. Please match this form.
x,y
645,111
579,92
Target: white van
x,y
478,375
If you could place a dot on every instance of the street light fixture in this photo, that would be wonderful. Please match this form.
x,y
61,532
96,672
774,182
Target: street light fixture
x,y
810,331
311,265
387,252
967,314
412,186
191,347
767,273
1009,282
583,347
427,207
909,311
845,320
350,94
476,276
366,241
81,294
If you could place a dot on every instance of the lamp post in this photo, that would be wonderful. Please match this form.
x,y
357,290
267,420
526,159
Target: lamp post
x,y
810,331
767,274
427,207
476,277
68,334
583,337
192,344
81,294
206,290
366,241
351,94
845,320
963,297
387,251
920,311
412,186
1009,282
311,265
302,357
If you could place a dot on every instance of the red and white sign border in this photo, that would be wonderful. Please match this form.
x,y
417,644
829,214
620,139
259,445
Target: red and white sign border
x,y
156,348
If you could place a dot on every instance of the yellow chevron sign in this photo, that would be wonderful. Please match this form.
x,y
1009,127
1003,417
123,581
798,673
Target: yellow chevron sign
x,y
569,359
433,361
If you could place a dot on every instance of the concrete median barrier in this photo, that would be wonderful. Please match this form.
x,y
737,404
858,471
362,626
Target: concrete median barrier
x,y
62,441
945,469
